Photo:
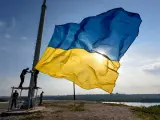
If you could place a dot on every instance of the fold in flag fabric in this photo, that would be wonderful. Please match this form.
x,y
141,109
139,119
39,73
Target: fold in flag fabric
x,y
88,53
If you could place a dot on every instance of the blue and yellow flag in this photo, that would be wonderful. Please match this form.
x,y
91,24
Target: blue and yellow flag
x,y
88,53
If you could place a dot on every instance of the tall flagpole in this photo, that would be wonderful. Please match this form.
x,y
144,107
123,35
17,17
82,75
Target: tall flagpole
x,y
37,52
74,96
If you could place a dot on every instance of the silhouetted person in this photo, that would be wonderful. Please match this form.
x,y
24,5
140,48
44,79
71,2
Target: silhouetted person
x,y
14,99
35,74
22,76
41,98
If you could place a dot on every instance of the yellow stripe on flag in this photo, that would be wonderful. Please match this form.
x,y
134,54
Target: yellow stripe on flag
x,y
88,70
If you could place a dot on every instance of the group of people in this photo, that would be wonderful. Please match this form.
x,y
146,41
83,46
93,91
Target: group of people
x,y
22,77
15,97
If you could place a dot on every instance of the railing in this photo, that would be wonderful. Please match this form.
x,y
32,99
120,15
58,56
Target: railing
x,y
21,101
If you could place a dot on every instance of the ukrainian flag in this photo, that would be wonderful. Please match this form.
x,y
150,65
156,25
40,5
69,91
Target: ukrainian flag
x,y
88,53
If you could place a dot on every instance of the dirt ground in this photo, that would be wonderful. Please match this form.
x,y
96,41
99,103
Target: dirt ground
x,y
3,106
78,110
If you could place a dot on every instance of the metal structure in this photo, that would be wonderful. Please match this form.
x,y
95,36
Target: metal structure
x,y
74,92
36,53
32,98
20,99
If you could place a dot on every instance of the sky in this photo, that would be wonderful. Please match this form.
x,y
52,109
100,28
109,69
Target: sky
x,y
140,66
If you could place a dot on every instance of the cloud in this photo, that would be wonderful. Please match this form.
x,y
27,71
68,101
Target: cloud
x,y
7,36
23,38
7,26
3,49
150,60
153,68
2,23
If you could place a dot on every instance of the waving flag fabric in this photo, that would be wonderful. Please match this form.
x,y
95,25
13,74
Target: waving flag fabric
x,y
89,53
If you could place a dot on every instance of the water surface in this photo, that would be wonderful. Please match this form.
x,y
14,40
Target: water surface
x,y
138,104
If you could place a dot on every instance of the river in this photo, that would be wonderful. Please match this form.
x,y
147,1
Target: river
x,y
138,104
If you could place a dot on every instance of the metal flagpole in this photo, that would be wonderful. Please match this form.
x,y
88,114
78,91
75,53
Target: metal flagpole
x,y
74,96
10,100
36,54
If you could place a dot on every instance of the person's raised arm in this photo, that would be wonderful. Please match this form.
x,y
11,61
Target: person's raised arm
x,y
31,71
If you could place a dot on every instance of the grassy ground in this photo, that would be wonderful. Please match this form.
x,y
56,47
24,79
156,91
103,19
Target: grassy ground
x,y
150,113
144,113
35,116
79,106
74,110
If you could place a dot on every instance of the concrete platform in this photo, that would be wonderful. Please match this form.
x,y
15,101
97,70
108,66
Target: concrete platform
x,y
22,111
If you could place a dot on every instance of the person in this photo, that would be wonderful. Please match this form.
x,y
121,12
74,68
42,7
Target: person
x,y
41,97
22,76
14,99
35,77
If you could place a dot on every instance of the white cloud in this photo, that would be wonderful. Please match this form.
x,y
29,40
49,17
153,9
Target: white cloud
x,y
127,59
2,48
23,38
8,26
7,36
2,23
150,60
153,68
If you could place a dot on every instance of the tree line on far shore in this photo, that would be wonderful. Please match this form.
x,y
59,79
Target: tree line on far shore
x,y
103,97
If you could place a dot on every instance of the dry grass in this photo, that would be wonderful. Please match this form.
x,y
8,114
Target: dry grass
x,y
147,113
35,116
70,106
78,110
76,107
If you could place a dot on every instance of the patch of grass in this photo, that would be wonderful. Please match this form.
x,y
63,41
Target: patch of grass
x,y
77,107
55,104
73,107
35,116
147,113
